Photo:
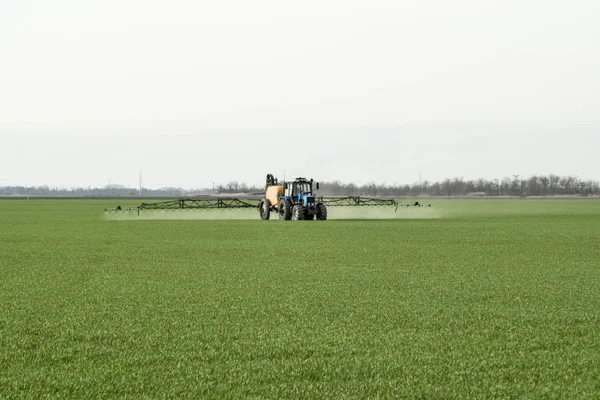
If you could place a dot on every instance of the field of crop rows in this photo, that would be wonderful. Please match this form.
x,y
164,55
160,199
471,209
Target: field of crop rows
x,y
471,298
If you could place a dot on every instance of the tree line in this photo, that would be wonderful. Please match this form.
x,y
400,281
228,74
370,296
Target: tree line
x,y
536,185
106,191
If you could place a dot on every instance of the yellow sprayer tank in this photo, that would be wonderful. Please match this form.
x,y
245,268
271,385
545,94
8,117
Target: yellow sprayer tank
x,y
273,193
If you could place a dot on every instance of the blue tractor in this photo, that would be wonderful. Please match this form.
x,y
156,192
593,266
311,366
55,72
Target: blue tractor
x,y
298,201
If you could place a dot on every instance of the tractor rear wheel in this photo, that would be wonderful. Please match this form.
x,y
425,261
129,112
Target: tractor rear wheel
x,y
298,212
265,209
285,209
321,212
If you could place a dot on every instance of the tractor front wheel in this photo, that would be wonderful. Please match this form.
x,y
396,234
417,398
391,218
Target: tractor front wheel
x,y
265,209
321,212
298,212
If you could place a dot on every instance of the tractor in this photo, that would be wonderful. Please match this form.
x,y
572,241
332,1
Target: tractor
x,y
293,200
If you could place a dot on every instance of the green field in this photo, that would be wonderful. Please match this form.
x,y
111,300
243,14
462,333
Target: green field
x,y
471,299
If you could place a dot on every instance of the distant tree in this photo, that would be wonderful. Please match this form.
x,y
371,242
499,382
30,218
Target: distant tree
x,y
554,187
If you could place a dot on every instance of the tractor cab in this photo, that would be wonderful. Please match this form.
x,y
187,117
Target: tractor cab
x,y
301,187
300,191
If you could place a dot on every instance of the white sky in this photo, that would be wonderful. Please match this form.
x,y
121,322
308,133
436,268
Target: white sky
x,y
192,92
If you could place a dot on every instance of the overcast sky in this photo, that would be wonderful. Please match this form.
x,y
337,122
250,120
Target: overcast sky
x,y
191,92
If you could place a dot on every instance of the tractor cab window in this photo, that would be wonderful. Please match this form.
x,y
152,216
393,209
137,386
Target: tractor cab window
x,y
301,188
305,188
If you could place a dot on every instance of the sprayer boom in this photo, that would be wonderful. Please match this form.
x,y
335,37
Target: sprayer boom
x,y
356,201
197,204
290,200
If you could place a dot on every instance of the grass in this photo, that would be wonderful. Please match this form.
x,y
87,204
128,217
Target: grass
x,y
483,299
